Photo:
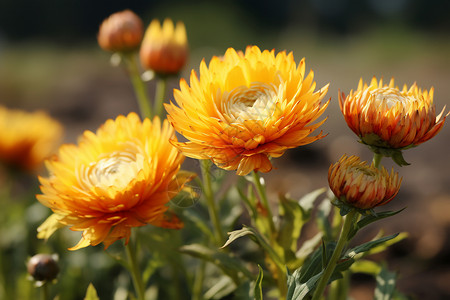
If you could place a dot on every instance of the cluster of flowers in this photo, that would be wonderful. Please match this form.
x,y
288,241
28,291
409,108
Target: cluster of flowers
x,y
242,110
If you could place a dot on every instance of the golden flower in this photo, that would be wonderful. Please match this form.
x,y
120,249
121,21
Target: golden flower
x,y
247,108
26,139
361,185
121,177
164,50
384,116
122,31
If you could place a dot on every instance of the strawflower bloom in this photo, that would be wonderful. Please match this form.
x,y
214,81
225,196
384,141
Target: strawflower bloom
x,y
164,49
120,177
245,109
27,139
360,185
121,32
385,117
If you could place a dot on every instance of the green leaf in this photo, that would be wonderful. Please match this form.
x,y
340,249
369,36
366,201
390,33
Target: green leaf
x,y
297,289
259,239
385,285
306,249
367,246
368,219
258,285
222,288
385,245
313,264
366,267
323,223
231,266
307,201
91,293
291,223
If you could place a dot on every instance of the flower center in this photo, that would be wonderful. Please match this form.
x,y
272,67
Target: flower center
x,y
365,171
116,169
256,102
391,97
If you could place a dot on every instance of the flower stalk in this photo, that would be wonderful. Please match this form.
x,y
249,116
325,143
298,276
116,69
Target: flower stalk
x,y
263,196
138,86
209,195
160,96
377,159
134,270
342,242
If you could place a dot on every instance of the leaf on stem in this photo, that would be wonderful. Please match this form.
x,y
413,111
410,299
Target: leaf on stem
x,y
258,285
91,293
368,219
259,239
231,266
351,253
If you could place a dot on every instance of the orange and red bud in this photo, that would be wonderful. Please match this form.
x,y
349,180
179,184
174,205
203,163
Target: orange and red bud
x,y
121,32
360,185
164,48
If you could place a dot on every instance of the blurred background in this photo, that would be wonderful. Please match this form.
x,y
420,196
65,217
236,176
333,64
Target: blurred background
x,y
49,59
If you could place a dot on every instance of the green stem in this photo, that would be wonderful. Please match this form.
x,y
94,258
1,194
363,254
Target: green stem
x,y
139,87
212,209
377,159
160,96
134,270
197,289
336,255
263,196
44,291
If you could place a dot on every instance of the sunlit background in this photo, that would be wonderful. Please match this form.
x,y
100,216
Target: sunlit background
x,y
49,59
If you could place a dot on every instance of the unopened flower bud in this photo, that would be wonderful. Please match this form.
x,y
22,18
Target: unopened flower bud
x,y
121,32
360,185
43,267
164,49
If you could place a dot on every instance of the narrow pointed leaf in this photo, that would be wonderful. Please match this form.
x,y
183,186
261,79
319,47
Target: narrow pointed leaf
x,y
91,293
258,285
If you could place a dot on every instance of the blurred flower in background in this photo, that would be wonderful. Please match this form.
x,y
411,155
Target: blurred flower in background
x,y
164,49
26,139
247,108
360,185
121,177
121,32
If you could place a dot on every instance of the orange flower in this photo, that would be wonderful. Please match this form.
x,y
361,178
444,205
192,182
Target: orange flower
x,y
120,32
247,108
360,185
385,117
26,139
164,50
121,177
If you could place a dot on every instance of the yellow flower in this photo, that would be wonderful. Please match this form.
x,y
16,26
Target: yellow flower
x,y
247,108
26,139
121,177
384,116
122,31
164,50
360,185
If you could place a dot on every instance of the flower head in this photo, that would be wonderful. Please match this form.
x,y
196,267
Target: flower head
x,y
121,177
247,108
385,117
164,49
361,185
121,32
26,139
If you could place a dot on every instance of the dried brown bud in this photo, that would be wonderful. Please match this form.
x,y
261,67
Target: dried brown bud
x,y
43,267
